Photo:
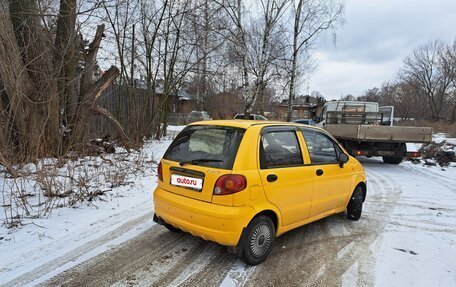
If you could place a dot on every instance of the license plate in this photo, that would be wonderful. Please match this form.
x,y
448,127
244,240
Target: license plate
x,y
386,152
186,181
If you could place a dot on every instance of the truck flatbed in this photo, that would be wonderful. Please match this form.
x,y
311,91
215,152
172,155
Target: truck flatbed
x,y
378,133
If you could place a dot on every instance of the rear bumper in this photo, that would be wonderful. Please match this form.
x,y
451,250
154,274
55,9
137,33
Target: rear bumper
x,y
218,223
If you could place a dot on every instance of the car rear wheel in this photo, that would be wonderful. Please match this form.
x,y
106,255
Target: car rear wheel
x,y
355,205
259,240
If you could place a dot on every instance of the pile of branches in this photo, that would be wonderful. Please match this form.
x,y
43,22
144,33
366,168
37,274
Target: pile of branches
x,y
442,153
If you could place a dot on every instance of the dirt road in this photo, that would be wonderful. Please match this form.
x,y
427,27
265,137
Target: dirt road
x,y
330,252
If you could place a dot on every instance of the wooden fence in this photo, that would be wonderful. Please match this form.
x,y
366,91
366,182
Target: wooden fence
x,y
134,109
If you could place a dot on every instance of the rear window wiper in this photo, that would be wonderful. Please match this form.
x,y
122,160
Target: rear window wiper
x,y
199,161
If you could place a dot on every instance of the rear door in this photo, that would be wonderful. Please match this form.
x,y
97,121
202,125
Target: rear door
x,y
286,180
198,156
331,181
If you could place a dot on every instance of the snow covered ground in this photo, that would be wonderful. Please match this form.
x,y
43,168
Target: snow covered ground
x,y
417,247
101,224
84,226
407,237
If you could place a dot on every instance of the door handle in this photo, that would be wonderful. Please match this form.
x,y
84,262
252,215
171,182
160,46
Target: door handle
x,y
319,172
271,177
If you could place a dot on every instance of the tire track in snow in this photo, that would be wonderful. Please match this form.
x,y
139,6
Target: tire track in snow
x,y
193,263
78,252
450,184
212,273
318,254
358,254
153,247
322,252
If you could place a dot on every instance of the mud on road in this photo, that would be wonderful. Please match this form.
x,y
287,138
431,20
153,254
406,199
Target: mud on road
x,y
329,252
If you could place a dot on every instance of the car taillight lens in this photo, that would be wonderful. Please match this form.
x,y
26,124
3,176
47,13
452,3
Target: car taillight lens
x,y
229,184
160,172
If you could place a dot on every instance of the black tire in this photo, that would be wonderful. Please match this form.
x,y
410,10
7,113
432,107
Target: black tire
x,y
171,228
392,160
355,205
402,148
259,240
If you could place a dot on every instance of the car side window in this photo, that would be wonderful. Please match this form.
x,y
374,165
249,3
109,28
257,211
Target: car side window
x,y
280,149
322,149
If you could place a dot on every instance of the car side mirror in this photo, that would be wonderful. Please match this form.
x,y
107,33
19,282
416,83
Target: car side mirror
x,y
343,158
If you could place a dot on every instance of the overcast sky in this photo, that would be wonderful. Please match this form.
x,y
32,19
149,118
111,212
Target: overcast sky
x,y
376,37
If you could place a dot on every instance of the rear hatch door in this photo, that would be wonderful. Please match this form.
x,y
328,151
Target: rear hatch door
x,y
198,156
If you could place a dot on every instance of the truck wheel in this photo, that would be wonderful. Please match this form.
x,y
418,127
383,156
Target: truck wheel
x,y
259,240
355,205
392,160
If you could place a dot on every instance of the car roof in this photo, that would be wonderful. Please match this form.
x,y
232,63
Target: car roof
x,y
248,123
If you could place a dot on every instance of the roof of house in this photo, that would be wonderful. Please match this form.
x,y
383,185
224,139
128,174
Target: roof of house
x,y
185,96
301,101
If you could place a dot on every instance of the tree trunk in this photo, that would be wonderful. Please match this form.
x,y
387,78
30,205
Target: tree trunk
x,y
65,61
89,91
453,114
26,71
294,59
245,73
80,124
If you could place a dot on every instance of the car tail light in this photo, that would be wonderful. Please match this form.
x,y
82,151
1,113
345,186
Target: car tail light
x,y
229,184
160,171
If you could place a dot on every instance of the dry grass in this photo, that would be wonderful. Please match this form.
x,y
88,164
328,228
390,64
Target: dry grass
x,y
40,187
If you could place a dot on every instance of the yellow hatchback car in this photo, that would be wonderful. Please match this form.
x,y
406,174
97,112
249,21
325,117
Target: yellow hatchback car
x,y
243,183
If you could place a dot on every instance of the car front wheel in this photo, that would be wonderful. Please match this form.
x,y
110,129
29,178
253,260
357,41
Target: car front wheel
x,y
259,240
355,205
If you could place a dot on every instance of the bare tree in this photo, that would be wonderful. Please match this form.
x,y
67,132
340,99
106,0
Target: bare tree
x,y
26,70
448,63
152,17
311,19
427,70
268,50
406,102
177,50
256,45
122,17
237,36
38,73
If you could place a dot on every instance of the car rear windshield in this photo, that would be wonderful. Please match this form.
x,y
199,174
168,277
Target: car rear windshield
x,y
214,146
